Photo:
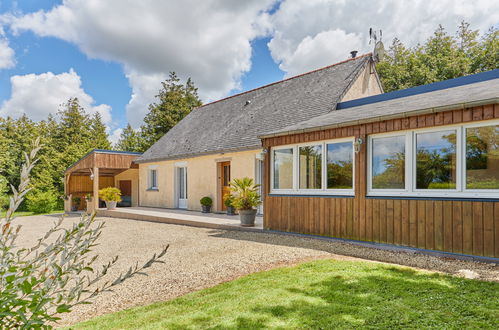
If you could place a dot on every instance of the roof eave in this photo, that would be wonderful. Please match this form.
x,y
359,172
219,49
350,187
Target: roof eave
x,y
411,113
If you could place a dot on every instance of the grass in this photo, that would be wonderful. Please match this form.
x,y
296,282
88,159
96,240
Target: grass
x,y
323,294
28,213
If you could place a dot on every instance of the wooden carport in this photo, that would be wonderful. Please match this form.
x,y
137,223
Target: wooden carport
x,y
94,171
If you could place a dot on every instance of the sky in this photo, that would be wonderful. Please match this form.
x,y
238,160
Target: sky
x,y
113,54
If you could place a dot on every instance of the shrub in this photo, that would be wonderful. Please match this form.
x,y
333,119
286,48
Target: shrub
x,y
206,201
4,198
41,201
56,273
228,200
110,194
246,195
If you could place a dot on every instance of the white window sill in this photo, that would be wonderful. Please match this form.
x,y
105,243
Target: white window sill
x,y
435,194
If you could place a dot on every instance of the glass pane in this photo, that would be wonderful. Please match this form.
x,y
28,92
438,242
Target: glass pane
x,y
181,183
339,165
436,160
482,157
310,167
153,179
283,169
226,175
388,162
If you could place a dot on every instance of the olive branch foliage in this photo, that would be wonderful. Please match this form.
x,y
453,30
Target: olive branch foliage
x,y
57,273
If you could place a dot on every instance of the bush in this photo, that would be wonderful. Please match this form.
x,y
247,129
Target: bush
x,y
110,194
206,201
41,201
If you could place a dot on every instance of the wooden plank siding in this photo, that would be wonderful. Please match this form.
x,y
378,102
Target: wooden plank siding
x,y
460,226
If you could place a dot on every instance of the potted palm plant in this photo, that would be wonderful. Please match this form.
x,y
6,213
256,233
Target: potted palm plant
x,y
206,203
246,199
228,202
111,196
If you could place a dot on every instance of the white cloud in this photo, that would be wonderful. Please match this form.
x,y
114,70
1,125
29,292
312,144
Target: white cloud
x,y
307,34
115,135
40,95
7,60
206,40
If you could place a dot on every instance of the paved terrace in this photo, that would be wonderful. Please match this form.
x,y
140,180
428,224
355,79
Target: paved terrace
x,y
181,217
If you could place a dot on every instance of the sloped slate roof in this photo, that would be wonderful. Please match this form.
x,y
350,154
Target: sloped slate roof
x,y
466,95
233,124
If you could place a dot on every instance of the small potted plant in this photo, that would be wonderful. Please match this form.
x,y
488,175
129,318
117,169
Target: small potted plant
x,y
88,198
76,204
228,200
111,196
206,203
246,199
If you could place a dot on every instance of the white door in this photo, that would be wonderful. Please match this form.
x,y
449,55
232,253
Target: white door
x,y
182,187
259,180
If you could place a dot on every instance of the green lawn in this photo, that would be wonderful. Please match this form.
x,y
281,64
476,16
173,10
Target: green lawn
x,y
324,294
27,213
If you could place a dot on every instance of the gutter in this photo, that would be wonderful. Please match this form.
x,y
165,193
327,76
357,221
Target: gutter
x,y
412,113
198,154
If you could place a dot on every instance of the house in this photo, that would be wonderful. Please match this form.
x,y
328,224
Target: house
x,y
219,141
417,167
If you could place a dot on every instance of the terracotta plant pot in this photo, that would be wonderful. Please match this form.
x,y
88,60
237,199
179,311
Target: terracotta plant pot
x,y
111,205
247,217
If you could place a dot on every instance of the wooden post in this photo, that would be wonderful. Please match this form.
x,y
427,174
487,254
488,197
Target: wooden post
x,y
95,199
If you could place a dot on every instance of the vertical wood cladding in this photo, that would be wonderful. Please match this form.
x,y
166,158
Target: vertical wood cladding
x,y
467,226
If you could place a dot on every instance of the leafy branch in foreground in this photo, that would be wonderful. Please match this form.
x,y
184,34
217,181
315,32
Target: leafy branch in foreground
x,y
57,273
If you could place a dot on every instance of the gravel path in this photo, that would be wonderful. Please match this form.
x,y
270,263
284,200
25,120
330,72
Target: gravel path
x,y
200,258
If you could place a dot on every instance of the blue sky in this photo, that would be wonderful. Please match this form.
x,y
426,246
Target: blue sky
x,y
113,58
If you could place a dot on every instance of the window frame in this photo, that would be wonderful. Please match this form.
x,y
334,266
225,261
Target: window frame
x,y
410,181
323,191
408,161
278,190
463,157
150,185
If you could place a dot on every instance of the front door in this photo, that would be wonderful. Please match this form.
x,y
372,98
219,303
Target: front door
x,y
182,187
224,181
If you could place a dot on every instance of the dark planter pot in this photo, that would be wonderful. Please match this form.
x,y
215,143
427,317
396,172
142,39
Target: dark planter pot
x,y
231,210
74,208
111,205
247,217
206,208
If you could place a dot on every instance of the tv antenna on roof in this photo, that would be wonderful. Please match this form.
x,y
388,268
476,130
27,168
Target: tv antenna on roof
x,y
379,48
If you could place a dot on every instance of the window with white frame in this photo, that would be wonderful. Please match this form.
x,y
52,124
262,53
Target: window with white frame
x,y
153,179
282,161
320,168
449,161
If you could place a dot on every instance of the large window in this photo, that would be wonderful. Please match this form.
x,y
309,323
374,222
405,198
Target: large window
x,y
283,168
310,168
452,161
388,162
339,165
436,160
482,157
318,168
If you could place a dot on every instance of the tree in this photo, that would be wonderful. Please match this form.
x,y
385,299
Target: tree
x,y
98,131
130,140
441,57
175,101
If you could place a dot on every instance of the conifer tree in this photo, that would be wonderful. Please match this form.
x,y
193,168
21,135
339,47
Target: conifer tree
x,y
174,101
130,140
98,130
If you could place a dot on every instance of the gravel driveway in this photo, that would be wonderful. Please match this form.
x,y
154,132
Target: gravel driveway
x,y
200,258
